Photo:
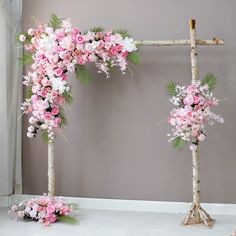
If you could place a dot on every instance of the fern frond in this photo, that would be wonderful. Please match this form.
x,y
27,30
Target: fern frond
x,y
83,75
209,79
178,143
27,58
68,97
28,92
133,57
67,219
55,22
44,135
97,29
170,88
123,32
62,115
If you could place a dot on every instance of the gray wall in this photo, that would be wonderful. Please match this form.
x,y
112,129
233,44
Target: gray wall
x,y
114,149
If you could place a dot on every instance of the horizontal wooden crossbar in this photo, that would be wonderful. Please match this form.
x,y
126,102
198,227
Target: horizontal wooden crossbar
x,y
179,42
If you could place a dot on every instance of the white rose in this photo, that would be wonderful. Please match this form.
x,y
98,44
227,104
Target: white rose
x,y
129,45
33,213
32,120
22,38
31,31
30,135
31,129
44,126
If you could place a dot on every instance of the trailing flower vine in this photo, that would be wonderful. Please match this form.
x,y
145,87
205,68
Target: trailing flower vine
x,y
53,50
193,112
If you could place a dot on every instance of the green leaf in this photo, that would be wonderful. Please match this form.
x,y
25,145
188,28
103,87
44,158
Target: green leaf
x,y
28,92
55,22
26,59
68,97
44,135
83,75
67,219
133,57
96,29
209,79
62,115
170,88
124,33
178,143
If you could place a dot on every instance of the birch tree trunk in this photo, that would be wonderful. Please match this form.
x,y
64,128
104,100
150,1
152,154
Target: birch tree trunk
x,y
51,170
178,42
197,215
195,153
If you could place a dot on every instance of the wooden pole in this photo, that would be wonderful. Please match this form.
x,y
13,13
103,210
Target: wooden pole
x,y
196,215
51,170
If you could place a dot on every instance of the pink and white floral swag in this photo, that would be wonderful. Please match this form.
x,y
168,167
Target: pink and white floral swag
x,y
193,112
44,209
56,52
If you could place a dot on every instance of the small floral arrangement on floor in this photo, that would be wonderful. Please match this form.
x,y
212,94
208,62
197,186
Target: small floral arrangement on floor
x,y
56,48
45,210
193,112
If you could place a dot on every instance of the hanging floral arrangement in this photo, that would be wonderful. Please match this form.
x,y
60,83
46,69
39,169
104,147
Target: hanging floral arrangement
x,y
56,48
193,111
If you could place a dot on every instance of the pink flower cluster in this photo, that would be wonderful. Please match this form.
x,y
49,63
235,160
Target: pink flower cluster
x,y
193,112
54,53
44,209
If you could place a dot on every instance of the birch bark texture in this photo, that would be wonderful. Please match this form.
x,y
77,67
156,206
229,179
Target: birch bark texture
x,y
197,216
51,170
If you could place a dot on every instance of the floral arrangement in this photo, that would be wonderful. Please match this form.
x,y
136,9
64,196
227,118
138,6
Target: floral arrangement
x,y
193,112
56,48
45,210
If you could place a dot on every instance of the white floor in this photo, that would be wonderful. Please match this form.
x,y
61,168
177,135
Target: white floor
x,y
116,223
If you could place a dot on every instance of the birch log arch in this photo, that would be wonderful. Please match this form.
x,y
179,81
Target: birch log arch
x,y
48,80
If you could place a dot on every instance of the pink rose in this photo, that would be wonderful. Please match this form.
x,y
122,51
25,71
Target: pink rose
x,y
44,93
60,100
57,120
47,116
64,77
34,98
60,36
75,31
124,54
188,100
80,60
58,71
54,111
51,208
196,99
54,93
113,50
79,38
194,133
